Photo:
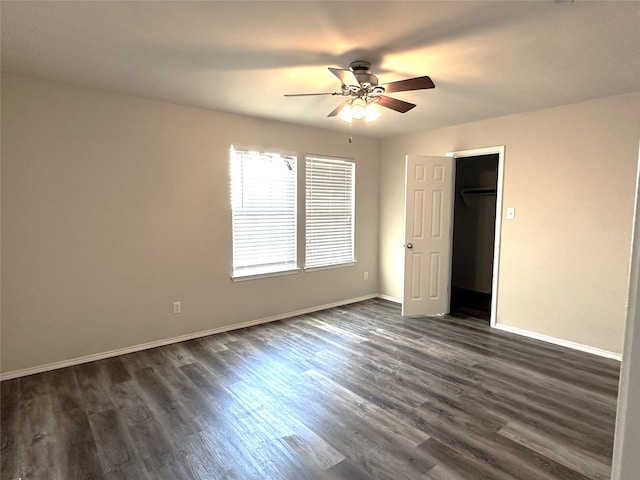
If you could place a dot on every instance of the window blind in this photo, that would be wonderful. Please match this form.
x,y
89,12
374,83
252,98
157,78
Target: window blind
x,y
263,201
330,188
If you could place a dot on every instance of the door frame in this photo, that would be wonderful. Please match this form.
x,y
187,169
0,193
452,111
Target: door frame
x,y
476,152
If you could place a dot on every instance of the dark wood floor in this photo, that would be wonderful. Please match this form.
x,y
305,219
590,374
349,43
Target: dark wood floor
x,y
355,392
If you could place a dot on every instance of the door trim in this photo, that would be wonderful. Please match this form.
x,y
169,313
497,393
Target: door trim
x,y
476,152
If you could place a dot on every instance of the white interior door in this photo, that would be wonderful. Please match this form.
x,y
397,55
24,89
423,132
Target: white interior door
x,y
428,217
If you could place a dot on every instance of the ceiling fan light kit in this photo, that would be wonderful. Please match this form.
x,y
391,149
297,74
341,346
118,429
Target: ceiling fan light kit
x,y
348,112
361,88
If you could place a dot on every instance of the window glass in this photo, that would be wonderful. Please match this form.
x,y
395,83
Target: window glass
x,y
263,202
330,208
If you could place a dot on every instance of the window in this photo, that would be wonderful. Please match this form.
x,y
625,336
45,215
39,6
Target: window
x,y
263,203
330,187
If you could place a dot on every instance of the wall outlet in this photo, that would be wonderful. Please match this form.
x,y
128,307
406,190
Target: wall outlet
x,y
365,276
177,307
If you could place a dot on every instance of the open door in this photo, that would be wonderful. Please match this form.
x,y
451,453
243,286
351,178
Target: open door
x,y
428,217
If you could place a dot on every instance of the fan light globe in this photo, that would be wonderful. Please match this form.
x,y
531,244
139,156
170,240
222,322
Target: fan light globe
x,y
372,113
345,113
358,108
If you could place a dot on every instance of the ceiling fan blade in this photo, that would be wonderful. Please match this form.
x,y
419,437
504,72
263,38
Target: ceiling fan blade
x,y
309,94
346,76
336,110
418,83
395,104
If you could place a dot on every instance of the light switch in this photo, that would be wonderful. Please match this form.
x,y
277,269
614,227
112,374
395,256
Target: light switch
x,y
511,213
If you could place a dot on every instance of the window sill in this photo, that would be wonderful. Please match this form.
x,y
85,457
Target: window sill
x,y
254,276
327,267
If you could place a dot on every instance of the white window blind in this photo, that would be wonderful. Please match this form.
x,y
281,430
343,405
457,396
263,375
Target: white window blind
x,y
263,202
330,188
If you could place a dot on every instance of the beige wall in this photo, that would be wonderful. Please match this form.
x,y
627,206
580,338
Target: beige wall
x,y
570,175
113,207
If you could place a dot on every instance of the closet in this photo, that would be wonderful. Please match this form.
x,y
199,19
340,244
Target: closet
x,y
474,235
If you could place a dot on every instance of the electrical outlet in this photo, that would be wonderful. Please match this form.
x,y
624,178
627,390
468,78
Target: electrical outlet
x,y
177,307
511,213
365,276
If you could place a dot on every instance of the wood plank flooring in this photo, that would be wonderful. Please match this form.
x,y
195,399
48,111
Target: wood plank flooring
x,y
355,392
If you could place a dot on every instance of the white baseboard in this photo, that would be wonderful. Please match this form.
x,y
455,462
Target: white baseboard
x,y
391,299
558,341
181,338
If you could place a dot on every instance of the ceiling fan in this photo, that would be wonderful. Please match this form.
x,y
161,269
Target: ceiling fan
x,y
361,88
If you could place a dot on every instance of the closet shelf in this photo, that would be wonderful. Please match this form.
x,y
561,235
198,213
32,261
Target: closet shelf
x,y
477,192
470,196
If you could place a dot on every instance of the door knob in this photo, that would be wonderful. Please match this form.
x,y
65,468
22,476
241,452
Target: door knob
x,y
409,246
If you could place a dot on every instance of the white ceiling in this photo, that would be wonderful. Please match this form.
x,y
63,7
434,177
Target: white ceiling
x,y
486,58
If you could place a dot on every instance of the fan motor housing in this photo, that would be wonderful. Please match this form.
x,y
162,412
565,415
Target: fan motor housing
x,y
362,71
